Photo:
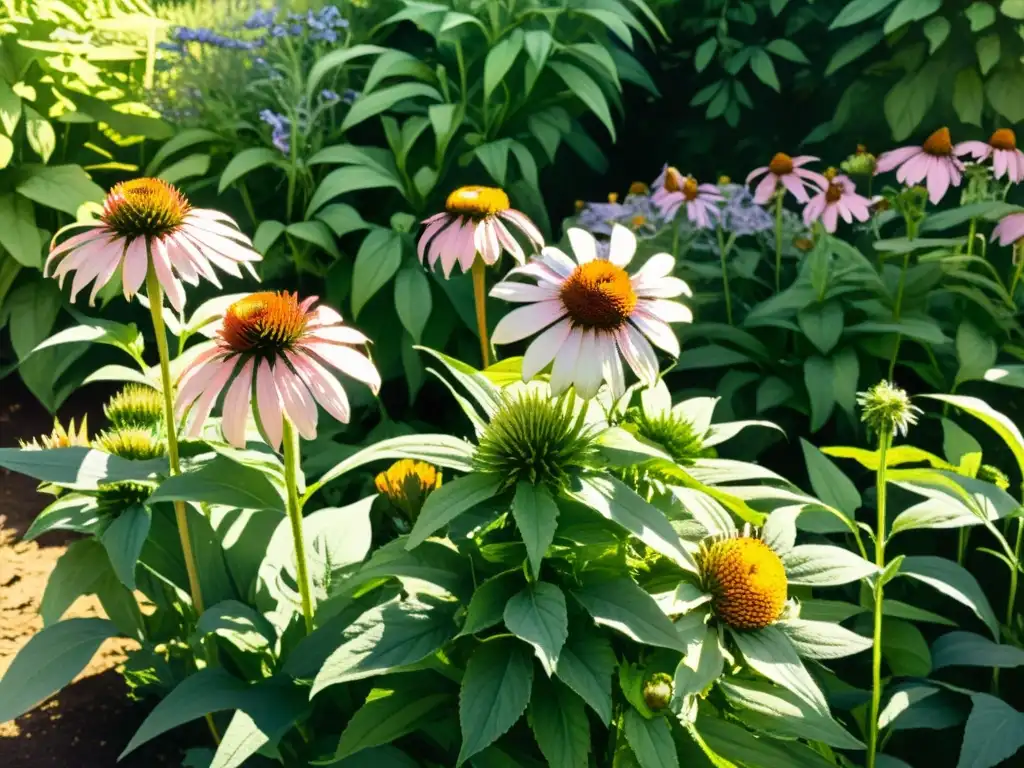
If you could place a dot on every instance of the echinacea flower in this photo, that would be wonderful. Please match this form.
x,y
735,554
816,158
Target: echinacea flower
x,y
474,222
136,405
149,222
839,198
1010,229
934,162
406,484
886,408
598,314
60,437
1007,160
672,190
273,351
790,173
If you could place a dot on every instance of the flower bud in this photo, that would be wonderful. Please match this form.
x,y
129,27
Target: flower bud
x,y
658,691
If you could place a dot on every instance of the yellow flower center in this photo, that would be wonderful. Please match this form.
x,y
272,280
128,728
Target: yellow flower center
x,y
830,173
674,180
781,164
1004,138
638,221
746,580
598,295
477,202
613,197
60,437
939,143
723,180
264,322
834,193
690,188
861,149
579,205
407,483
144,208
638,188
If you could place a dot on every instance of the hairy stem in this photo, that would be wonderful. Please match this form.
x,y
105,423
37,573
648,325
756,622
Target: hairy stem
x,y
291,475
479,299
884,441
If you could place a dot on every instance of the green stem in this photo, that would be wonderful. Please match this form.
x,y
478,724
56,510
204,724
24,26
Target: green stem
x,y
884,441
291,474
1011,601
479,299
725,275
1019,252
247,201
156,304
778,242
896,310
972,233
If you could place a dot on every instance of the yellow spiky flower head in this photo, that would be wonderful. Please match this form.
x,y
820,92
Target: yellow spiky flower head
x,y
746,579
406,485
135,443
60,437
136,405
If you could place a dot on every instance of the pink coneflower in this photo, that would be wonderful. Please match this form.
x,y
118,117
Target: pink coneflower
x,y
474,222
595,313
672,189
789,172
1010,229
273,349
839,198
149,221
1007,160
934,160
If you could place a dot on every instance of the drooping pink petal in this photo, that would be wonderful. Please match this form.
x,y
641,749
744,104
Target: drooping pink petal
x,y
638,353
485,242
435,225
765,189
336,334
104,277
915,169
525,321
181,261
527,227
348,361
564,369
105,261
813,209
236,406
217,228
201,408
979,150
1000,162
188,392
938,181
74,242
1010,229
80,257
895,157
268,404
543,349
538,269
223,245
214,257
656,330
162,266
212,214
509,290
557,261
794,185
755,173
589,372
202,264
804,160
326,389
135,266
298,402
508,242
829,218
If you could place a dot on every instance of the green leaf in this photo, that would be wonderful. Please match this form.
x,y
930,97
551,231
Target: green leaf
x,y
538,616
378,259
97,331
769,652
583,87
623,606
388,714
350,178
495,691
267,233
650,740
1013,9
396,63
187,138
829,482
64,187
6,151
317,233
239,624
368,105
987,49
18,233
705,51
413,300
905,649
586,665
857,11
499,60
123,540
70,512
786,714
994,733
614,501
77,573
953,581
1000,423
451,500
822,324
966,649
908,11
820,565
787,49
1003,90
10,108
385,639
77,467
819,378
939,512
271,707
222,481
342,219
536,516
487,606
246,161
559,722
333,60
493,156
907,102
761,65
823,639
981,15
187,168
51,659
39,133
853,50
936,30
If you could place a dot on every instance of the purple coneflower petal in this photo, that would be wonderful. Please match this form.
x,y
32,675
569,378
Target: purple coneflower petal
x,y
325,388
524,321
236,406
895,157
564,369
611,364
638,353
556,260
523,292
201,408
657,331
526,226
348,361
584,246
268,402
543,349
622,246
757,172
765,189
589,372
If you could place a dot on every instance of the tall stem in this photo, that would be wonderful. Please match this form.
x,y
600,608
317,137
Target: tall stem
x,y
898,307
725,275
970,237
479,297
1011,601
156,305
1019,253
884,441
778,241
291,475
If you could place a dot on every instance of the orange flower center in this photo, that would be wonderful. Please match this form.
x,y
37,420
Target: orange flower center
x,y
477,202
1004,138
861,149
264,322
747,581
834,193
613,197
690,188
781,164
638,221
598,295
144,208
674,180
638,188
939,143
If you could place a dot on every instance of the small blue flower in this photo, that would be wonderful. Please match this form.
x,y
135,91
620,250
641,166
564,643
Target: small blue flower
x,y
349,96
328,95
261,19
278,31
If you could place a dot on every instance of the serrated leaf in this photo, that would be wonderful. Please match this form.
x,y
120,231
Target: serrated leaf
x,y
586,665
953,581
538,615
769,652
623,606
379,257
495,691
536,516
559,722
451,500
650,740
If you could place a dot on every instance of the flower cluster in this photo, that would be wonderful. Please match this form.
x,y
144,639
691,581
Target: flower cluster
x,y
322,25
206,36
280,128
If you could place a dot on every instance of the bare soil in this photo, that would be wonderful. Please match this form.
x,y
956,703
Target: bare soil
x,y
88,723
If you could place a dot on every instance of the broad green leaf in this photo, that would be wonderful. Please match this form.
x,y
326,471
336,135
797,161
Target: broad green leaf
x,y
1003,89
70,512
536,516
819,378
981,15
823,639
451,500
905,650
586,665
786,714
222,481
77,572
853,50
495,691
614,501
64,187
77,467
857,11
379,257
370,104
386,639
245,162
939,512
559,722
936,29
735,742
623,606
1013,9
821,565
342,219
397,64
316,233
239,624
538,615
96,331
271,707
989,210
650,740
6,151
435,562
187,168
182,140
704,52
1000,423
900,610
907,102
388,714
267,233
413,300
487,606
822,324
787,49
762,67
966,649
18,233
953,581
123,540
829,482
910,10
581,85
704,660
350,178
40,134
500,59
894,456
333,60
51,659
769,652
994,733
10,108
